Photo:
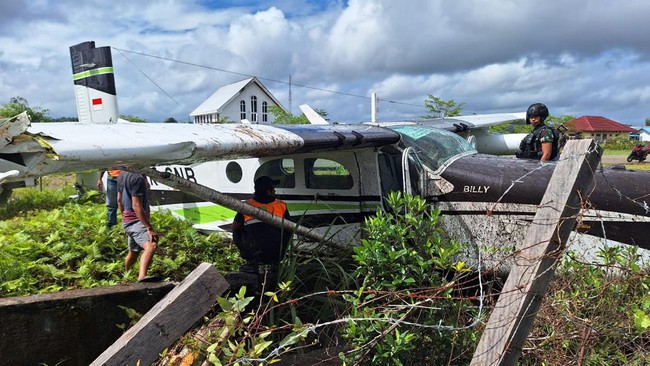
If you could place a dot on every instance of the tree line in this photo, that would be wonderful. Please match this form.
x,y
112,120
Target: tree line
x,y
436,108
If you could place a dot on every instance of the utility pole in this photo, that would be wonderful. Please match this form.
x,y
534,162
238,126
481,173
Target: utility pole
x,y
290,110
373,107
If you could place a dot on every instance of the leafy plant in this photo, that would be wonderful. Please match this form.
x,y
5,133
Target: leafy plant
x,y
594,315
69,247
408,270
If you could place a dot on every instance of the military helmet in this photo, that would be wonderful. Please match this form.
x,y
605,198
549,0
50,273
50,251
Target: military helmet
x,y
536,109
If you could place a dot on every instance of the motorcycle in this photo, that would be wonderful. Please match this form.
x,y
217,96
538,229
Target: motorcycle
x,y
639,152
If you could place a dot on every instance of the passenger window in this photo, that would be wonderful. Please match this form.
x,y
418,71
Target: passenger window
x,y
326,174
234,172
279,169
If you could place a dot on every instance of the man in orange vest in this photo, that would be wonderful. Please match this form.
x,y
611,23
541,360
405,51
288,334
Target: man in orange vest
x,y
257,241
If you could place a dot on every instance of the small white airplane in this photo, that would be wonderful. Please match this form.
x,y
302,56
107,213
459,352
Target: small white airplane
x,y
331,176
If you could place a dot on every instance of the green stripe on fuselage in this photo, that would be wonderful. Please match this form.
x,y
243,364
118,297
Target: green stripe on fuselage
x,y
211,213
205,214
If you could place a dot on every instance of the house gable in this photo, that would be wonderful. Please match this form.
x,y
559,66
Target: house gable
x,y
245,99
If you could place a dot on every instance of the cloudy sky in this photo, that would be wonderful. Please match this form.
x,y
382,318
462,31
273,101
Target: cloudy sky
x,y
587,57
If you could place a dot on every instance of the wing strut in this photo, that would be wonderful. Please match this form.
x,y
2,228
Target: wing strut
x,y
211,195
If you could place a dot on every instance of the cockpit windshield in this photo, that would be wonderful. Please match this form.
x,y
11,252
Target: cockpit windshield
x,y
433,146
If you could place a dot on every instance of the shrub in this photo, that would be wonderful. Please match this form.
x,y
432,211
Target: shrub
x,y
408,275
69,247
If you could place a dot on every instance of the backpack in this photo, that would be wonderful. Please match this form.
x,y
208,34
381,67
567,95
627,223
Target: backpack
x,y
531,149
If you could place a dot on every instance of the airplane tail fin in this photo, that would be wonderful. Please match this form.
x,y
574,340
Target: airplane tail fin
x,y
313,116
94,83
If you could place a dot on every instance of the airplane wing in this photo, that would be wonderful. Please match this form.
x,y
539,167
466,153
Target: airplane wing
x,y
475,122
474,128
10,127
46,148
481,120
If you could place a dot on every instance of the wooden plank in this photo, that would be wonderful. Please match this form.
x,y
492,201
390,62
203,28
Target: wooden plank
x,y
168,320
53,327
528,281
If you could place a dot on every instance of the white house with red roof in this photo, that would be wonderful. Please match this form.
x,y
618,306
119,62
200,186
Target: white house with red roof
x,y
599,128
246,99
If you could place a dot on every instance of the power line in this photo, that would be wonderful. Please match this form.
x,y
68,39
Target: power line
x,y
145,75
260,77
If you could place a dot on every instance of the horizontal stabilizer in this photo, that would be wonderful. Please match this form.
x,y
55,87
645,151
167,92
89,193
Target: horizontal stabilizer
x,y
507,144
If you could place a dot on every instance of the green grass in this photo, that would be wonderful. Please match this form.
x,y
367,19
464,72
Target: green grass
x,y
616,152
635,165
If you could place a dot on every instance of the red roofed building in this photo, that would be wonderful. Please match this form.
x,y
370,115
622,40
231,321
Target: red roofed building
x,y
598,128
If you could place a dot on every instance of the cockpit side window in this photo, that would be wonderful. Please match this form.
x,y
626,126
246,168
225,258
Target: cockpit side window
x,y
279,169
327,174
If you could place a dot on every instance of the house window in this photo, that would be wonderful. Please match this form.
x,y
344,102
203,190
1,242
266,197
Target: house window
x,y
265,112
242,110
253,109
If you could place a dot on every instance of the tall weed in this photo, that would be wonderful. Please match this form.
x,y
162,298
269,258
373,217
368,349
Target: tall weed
x,y
45,249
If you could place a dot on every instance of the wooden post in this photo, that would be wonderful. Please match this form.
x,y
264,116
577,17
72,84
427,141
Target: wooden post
x,y
524,290
168,320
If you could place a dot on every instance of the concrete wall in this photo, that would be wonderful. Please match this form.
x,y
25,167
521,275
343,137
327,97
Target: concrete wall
x,y
70,327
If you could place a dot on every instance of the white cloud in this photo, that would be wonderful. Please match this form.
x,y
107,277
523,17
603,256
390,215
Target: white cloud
x,y
577,57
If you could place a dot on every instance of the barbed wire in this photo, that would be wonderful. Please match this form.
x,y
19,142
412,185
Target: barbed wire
x,y
427,302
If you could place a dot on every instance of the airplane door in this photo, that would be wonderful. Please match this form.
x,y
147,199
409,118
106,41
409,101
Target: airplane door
x,y
412,172
390,173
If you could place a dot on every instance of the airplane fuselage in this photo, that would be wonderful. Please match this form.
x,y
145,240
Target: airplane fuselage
x,y
486,201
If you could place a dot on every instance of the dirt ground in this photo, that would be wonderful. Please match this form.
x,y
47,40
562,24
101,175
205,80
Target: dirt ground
x,y
614,159
622,159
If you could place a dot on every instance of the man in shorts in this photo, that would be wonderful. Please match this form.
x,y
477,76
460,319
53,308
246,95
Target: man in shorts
x,y
133,199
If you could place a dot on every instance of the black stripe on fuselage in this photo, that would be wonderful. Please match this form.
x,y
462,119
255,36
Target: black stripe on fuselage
x,y
160,197
624,232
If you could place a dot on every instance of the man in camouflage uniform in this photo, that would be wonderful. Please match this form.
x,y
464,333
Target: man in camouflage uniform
x,y
542,143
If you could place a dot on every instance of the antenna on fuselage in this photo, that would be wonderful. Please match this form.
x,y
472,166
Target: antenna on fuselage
x,y
373,107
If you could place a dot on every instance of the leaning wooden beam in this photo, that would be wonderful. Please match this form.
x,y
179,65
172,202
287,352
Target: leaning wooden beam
x,y
168,320
214,196
528,281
